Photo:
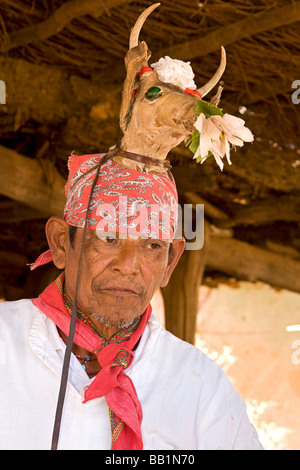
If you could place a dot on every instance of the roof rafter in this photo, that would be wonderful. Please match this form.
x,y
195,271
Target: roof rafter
x,y
248,26
56,22
233,32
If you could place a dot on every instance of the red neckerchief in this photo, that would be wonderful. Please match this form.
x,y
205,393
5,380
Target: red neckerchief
x,y
124,407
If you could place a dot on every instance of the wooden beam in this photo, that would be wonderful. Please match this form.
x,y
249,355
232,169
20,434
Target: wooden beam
x,y
87,114
181,294
41,93
211,211
67,12
49,95
247,262
282,208
35,183
13,211
250,25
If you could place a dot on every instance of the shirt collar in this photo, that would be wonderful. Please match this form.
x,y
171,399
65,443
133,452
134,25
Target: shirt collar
x,y
49,347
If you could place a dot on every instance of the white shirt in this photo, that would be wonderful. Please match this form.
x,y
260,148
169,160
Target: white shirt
x,y
188,403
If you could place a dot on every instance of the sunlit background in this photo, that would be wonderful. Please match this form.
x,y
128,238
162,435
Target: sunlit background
x,y
252,331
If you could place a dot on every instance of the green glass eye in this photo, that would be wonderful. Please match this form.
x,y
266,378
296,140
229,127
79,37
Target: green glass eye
x,y
153,92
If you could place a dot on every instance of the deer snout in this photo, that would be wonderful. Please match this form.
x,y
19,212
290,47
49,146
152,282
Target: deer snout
x,y
178,112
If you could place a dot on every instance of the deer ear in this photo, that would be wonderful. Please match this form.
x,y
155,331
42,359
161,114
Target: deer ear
x,y
134,60
137,56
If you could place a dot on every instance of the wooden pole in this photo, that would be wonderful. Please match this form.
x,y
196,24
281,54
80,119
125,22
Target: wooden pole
x,y
181,294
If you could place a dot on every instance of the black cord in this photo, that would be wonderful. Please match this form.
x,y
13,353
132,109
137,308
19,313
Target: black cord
x,y
69,346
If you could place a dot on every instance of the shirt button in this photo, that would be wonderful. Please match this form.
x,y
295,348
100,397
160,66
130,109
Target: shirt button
x,y
83,390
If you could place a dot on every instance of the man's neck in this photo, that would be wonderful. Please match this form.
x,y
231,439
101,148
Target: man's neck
x,y
92,367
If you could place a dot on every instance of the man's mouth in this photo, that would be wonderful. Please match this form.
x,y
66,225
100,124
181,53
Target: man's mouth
x,y
118,290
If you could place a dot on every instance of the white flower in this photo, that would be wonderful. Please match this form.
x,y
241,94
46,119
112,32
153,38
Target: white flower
x,y
216,135
175,72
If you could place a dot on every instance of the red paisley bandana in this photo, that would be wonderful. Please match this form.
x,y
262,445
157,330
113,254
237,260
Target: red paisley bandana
x,y
114,356
124,201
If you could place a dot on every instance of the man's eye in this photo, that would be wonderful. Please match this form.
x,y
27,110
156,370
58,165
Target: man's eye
x,y
110,240
153,245
153,92
107,239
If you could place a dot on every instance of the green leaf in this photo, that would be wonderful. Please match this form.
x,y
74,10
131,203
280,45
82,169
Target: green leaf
x,y
193,142
208,109
199,158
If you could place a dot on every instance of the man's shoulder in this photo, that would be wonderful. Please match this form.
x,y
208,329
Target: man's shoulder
x,y
15,306
14,312
181,353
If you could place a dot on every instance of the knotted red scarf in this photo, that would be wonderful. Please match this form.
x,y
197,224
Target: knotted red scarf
x,y
113,356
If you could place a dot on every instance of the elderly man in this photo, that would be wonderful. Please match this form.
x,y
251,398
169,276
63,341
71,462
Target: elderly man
x,y
129,383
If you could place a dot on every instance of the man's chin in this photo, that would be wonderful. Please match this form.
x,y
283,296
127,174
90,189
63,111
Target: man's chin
x,y
115,322
116,312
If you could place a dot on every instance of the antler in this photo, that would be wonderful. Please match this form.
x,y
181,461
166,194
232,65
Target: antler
x,y
135,32
214,80
136,57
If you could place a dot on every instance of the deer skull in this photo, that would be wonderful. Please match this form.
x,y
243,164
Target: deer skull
x,y
155,116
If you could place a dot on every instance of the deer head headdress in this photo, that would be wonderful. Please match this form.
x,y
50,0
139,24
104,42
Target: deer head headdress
x,y
156,115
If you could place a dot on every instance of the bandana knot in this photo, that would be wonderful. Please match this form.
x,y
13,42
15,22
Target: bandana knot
x,y
113,355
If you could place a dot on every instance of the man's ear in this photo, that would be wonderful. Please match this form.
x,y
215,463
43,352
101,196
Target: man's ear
x,y
178,249
57,231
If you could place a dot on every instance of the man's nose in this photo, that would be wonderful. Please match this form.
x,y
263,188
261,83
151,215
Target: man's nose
x,y
127,259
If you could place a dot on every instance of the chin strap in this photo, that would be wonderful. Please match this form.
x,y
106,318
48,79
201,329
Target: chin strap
x,y
143,159
69,346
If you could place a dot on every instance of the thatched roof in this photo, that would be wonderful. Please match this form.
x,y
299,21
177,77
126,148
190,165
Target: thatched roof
x,y
62,63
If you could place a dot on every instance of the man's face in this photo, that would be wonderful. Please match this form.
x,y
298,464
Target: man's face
x,y
118,276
